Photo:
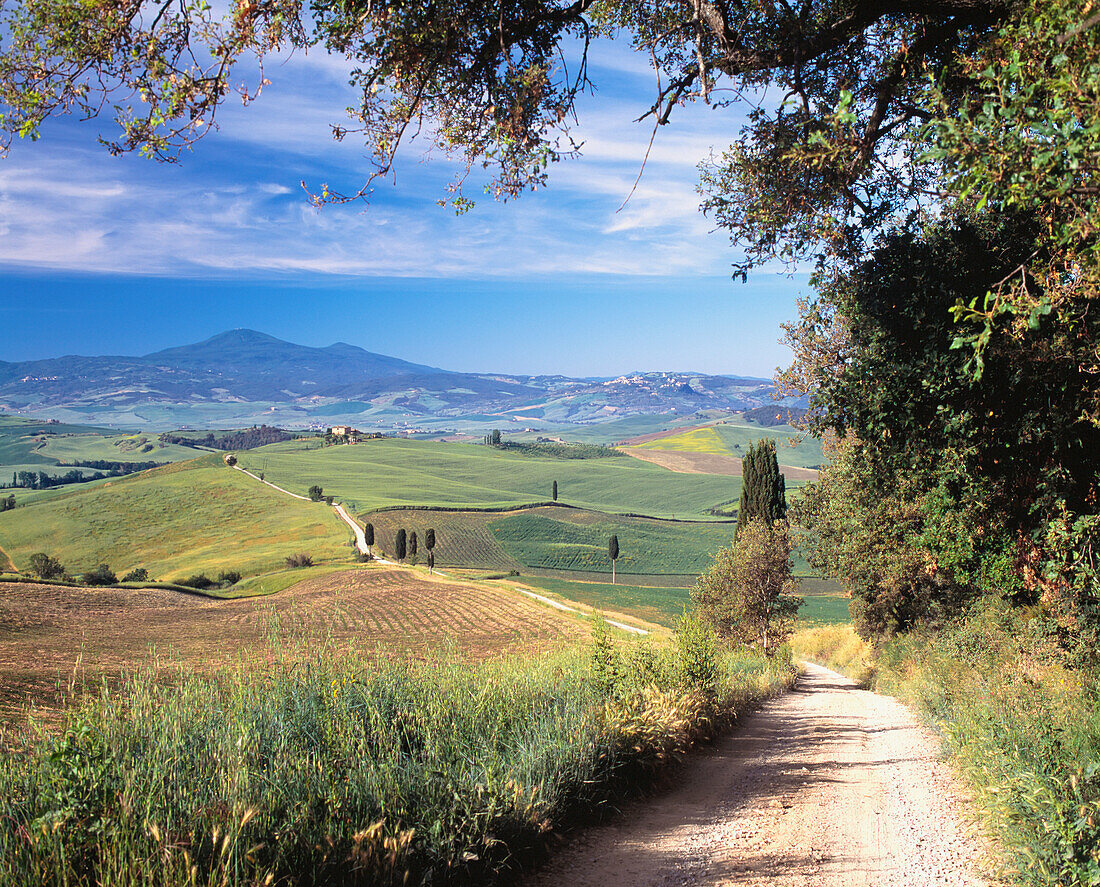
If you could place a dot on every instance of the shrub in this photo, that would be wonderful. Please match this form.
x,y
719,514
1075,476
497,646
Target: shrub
x,y
138,574
199,580
698,648
316,493
301,559
101,575
46,567
229,577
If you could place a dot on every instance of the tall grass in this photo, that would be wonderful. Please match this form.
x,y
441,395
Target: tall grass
x,y
342,771
1021,726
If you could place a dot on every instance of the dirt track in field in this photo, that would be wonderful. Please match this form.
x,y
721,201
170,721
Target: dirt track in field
x,y
708,463
828,786
45,629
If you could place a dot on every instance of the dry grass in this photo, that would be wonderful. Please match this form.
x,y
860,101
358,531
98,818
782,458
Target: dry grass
x,y
45,630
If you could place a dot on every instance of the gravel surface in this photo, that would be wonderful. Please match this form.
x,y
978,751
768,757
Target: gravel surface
x,y
826,786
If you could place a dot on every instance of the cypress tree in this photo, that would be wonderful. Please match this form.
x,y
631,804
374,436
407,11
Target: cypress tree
x,y
399,544
412,543
429,539
763,488
555,491
368,535
613,553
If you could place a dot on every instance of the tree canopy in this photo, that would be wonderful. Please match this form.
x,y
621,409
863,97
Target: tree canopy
x,y
830,149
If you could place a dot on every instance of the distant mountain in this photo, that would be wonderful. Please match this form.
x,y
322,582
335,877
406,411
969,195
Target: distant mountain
x,y
243,376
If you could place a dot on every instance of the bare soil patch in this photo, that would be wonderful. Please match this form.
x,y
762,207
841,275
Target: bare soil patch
x,y
708,463
45,630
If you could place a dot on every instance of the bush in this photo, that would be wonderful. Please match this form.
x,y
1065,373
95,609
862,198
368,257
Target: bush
x,y
316,493
138,574
229,577
199,581
46,567
101,575
301,559
698,648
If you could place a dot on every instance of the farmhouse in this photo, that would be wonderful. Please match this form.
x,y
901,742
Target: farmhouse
x,y
344,431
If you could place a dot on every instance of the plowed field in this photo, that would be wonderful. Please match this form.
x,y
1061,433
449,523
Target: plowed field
x,y
45,629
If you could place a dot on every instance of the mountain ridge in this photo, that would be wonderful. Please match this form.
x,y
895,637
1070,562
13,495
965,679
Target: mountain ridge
x,y
241,374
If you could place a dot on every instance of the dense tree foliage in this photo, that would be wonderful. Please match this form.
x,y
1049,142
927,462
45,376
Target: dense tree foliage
x,y
46,567
400,543
246,439
952,483
763,489
748,592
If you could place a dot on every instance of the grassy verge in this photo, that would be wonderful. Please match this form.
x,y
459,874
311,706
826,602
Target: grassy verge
x,y
344,771
1022,728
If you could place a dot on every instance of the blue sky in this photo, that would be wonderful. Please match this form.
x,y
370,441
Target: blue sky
x,y
102,254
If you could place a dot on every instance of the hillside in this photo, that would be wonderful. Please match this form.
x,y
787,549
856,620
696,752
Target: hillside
x,y
387,473
175,521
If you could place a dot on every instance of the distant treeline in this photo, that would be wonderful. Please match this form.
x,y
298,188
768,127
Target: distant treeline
x,y
552,448
248,439
40,480
769,416
557,450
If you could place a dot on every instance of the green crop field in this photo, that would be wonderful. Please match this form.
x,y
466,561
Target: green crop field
x,y
557,539
382,473
662,606
730,439
197,516
562,541
463,538
825,605
826,602
116,448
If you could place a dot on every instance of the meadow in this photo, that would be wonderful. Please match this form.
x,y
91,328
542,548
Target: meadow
x,y
175,521
825,604
383,473
27,445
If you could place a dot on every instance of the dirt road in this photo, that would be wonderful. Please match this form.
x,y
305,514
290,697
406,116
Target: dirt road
x,y
828,786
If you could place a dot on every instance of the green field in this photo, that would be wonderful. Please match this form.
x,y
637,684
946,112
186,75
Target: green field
x,y
578,542
826,602
662,606
382,473
197,516
825,605
732,439
557,539
31,445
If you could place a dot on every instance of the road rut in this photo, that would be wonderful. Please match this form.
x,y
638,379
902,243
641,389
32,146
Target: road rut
x,y
827,786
